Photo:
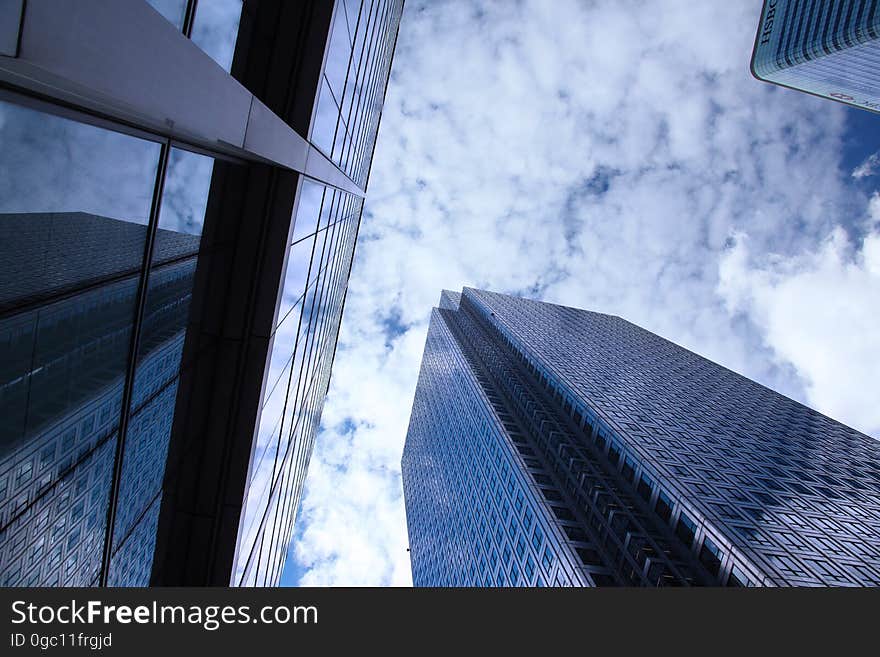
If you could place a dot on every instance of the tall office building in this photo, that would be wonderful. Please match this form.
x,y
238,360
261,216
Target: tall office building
x,y
555,446
181,185
829,48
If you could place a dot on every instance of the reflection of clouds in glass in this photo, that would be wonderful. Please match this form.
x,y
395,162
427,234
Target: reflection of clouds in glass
x,y
173,10
339,52
308,208
352,9
326,119
50,164
186,192
215,29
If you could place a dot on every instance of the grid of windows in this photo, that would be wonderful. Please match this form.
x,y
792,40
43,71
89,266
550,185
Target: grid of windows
x,y
353,85
475,517
830,48
743,485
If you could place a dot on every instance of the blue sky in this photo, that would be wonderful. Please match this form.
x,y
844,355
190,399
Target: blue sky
x,y
613,156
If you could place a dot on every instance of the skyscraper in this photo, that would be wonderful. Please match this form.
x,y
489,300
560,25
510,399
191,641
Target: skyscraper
x,y
181,185
555,446
829,48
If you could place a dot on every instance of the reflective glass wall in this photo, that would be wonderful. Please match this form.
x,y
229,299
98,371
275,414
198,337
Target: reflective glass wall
x,y
298,373
170,301
99,235
324,227
353,84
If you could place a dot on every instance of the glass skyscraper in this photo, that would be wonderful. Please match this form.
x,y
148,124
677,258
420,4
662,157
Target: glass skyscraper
x,y
181,185
555,446
829,48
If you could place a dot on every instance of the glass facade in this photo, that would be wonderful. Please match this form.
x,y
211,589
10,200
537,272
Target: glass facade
x,y
304,339
353,83
829,48
635,461
120,247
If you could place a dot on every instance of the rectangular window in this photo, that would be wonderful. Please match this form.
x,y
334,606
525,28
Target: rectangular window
x,y
629,468
686,529
645,487
664,506
711,556
614,453
738,578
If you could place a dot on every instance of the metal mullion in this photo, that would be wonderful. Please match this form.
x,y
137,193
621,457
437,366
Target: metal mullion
x,y
367,125
307,355
367,119
281,507
345,82
384,94
366,53
127,390
372,71
189,18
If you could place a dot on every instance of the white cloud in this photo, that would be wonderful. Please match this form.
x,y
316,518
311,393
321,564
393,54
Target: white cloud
x,y
868,167
596,154
818,311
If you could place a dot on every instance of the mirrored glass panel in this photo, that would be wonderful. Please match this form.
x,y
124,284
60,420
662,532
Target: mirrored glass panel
x,y
215,29
163,331
74,206
174,11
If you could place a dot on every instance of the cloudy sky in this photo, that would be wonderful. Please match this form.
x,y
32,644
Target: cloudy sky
x,y
609,155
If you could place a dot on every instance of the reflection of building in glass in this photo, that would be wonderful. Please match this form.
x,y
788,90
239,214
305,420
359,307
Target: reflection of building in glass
x,y
555,446
829,48
174,258
63,392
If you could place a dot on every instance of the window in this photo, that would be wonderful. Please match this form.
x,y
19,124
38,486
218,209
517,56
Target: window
x,y
711,556
629,468
528,516
645,486
738,578
686,529
529,568
514,574
547,559
614,453
537,537
518,503
664,506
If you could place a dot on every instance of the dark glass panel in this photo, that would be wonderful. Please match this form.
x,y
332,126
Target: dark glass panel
x,y
74,206
160,348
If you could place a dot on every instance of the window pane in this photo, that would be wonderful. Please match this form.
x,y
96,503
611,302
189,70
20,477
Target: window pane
x,y
173,10
307,209
215,29
326,118
74,207
160,348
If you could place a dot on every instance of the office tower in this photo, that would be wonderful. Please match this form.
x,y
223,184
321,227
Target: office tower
x,y
181,185
828,48
555,446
